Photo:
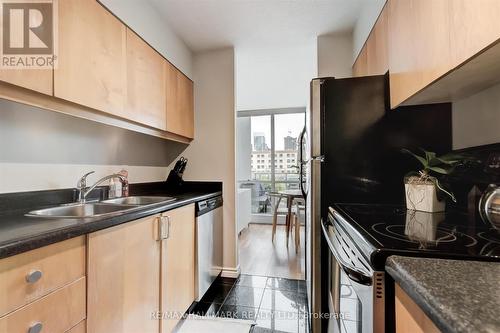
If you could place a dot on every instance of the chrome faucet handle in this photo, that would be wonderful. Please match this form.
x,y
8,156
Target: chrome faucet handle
x,y
82,183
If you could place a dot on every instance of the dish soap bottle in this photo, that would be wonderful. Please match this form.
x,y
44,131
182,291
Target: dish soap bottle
x,y
112,188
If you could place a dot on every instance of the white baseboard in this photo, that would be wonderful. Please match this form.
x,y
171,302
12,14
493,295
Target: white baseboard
x,y
231,272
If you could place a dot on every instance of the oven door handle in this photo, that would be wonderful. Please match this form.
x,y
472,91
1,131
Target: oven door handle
x,y
355,274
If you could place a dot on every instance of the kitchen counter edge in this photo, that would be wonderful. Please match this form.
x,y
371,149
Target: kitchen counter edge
x,y
465,305
17,246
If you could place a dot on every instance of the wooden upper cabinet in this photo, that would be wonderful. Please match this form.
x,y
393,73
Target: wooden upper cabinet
x,y
378,46
360,67
123,275
178,265
39,80
146,88
373,58
429,39
474,26
419,45
180,102
91,66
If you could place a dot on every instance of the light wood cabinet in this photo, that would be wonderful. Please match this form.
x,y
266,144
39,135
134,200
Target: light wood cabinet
x,y
180,102
419,45
81,327
107,73
139,270
373,58
39,80
429,39
360,67
178,265
378,46
409,316
57,312
146,88
92,58
124,278
474,25
51,267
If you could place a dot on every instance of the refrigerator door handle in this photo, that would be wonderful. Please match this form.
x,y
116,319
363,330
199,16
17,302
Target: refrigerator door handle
x,y
320,158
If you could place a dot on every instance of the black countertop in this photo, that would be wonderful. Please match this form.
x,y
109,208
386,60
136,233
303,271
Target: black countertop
x,y
457,295
20,233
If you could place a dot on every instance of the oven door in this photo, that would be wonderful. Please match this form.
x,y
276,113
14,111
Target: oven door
x,y
350,286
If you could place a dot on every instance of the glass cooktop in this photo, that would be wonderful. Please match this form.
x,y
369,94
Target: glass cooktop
x,y
394,230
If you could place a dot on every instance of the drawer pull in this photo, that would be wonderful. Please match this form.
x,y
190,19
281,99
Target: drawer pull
x,y
33,277
35,328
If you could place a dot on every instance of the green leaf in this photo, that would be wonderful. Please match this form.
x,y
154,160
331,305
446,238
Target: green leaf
x,y
419,158
429,155
442,171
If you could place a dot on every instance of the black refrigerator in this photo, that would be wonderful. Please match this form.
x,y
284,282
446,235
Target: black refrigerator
x,y
351,152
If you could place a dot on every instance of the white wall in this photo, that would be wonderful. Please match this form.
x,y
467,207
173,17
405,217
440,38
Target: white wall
x,y
367,18
275,76
476,119
147,22
212,153
335,55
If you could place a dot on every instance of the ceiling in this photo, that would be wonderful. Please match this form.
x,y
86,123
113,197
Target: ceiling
x,y
210,24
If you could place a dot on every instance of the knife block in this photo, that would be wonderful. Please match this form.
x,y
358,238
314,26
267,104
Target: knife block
x,y
174,180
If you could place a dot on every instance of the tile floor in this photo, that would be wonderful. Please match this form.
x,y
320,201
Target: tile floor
x,y
276,304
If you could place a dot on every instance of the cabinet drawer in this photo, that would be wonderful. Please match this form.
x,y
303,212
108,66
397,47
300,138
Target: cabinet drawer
x,y
48,268
56,313
81,327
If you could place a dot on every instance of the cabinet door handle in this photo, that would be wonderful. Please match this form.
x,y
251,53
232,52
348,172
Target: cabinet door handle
x,y
35,328
33,276
168,227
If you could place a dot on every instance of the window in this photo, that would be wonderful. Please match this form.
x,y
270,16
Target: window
x,y
274,141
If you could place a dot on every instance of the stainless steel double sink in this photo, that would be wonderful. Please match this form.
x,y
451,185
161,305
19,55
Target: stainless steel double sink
x,y
105,208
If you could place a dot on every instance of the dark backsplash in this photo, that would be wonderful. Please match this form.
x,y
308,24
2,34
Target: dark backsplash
x,y
14,203
471,181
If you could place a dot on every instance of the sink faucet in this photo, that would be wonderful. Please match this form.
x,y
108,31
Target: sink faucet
x,y
83,191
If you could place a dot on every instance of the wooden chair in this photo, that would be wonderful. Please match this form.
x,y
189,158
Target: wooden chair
x,y
300,205
275,199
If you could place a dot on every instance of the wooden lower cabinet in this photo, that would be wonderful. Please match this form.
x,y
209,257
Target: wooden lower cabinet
x,y
57,312
51,267
124,278
137,281
409,316
177,266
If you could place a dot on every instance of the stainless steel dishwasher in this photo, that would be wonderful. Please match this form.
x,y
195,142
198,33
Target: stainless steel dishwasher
x,y
209,243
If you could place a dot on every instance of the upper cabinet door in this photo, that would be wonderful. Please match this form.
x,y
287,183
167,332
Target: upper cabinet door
x,y
91,66
146,88
180,103
378,47
34,79
474,26
419,45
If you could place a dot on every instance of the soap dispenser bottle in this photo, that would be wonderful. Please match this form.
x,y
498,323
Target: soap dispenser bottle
x,y
112,189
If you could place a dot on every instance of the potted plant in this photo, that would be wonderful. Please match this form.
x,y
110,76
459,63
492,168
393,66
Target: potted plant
x,y
424,191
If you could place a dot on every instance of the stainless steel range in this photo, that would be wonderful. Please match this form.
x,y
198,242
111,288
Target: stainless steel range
x,y
356,294
360,237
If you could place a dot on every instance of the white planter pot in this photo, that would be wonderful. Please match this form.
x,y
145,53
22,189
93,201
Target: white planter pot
x,y
422,196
